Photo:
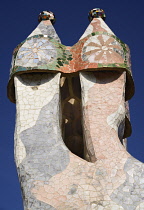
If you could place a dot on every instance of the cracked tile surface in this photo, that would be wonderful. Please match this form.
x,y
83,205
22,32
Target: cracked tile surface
x,y
72,120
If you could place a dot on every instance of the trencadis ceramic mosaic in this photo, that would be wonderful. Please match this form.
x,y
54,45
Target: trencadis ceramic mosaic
x,y
98,49
72,120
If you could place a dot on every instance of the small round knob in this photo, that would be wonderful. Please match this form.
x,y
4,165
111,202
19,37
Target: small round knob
x,y
96,13
47,15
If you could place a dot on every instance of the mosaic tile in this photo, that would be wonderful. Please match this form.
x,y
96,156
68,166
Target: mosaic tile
x,y
96,13
98,49
47,15
73,119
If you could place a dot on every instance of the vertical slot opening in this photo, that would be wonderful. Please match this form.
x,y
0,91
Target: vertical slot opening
x,y
71,111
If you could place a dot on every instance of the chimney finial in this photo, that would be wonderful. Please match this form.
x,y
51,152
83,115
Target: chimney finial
x,y
47,15
96,13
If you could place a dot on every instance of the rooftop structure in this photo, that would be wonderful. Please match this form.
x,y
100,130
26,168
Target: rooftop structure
x,y
72,120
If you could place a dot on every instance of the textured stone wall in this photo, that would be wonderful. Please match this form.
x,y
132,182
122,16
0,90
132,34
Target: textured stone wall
x,y
54,177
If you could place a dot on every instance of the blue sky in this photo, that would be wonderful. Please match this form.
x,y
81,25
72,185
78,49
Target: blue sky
x,y
18,19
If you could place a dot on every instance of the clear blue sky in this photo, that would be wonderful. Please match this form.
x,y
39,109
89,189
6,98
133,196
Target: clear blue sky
x,y
18,19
